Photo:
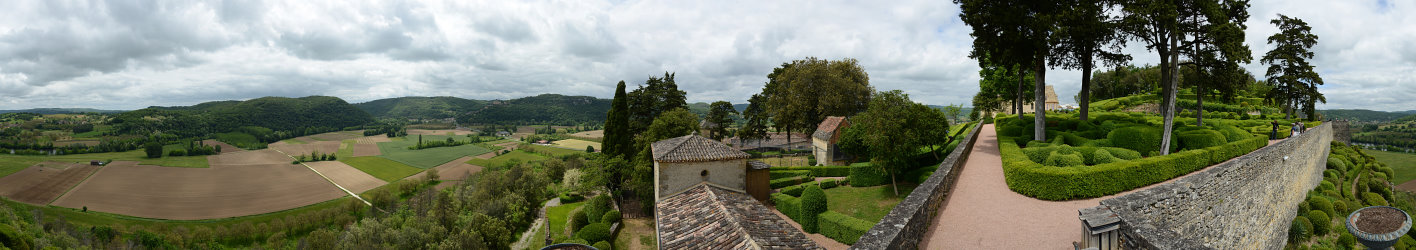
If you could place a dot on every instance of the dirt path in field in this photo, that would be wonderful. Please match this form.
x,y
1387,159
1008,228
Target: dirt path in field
x,y
346,176
455,170
44,182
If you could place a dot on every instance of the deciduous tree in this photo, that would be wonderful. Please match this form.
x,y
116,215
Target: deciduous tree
x,y
720,114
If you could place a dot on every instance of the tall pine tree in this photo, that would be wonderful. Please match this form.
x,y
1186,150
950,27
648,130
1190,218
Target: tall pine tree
x,y
618,138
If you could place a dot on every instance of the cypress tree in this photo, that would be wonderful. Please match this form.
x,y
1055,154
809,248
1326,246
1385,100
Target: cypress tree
x,y
617,134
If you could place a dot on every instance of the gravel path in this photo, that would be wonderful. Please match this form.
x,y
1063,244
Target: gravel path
x,y
982,213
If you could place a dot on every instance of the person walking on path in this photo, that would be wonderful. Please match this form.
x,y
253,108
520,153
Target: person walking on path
x,y
1296,130
1273,135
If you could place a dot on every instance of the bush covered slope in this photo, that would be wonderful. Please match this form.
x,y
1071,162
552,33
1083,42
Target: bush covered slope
x,y
418,107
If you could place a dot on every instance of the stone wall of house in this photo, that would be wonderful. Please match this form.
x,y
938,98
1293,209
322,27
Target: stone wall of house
x,y
908,222
1245,203
672,178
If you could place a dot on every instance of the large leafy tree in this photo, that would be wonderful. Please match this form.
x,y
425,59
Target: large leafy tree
x,y
1015,33
893,129
999,84
1293,77
656,96
720,114
640,178
1087,33
802,93
755,127
1210,32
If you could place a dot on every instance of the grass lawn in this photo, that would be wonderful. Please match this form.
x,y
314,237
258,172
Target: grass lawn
x,y
866,203
10,164
501,160
346,149
237,138
1404,164
576,144
430,157
97,131
381,168
559,217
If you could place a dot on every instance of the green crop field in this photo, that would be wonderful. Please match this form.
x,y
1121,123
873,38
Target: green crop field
x,y
1404,164
381,168
237,139
576,144
557,152
501,160
429,157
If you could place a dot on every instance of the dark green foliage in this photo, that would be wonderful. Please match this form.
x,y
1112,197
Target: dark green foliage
x,y
865,175
778,174
9,237
1374,199
1101,157
578,220
1233,134
1319,203
1136,138
566,198
818,171
794,190
788,181
1340,207
597,208
618,138
1347,241
418,107
153,149
1199,139
813,203
1298,231
295,116
595,232
543,109
611,217
788,205
605,245
1060,159
177,152
842,228
1322,224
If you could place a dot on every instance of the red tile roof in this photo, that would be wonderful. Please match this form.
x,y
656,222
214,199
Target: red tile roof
x,y
694,148
711,217
828,127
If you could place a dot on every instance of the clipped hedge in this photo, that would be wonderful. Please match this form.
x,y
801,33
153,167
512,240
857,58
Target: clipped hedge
x,y
1322,224
818,171
1322,204
595,232
1052,183
794,191
1060,159
842,228
1142,139
779,174
1199,139
788,205
789,181
611,217
813,203
866,175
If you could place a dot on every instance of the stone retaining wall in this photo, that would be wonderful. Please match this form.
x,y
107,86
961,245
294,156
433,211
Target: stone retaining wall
x,y
1245,203
908,222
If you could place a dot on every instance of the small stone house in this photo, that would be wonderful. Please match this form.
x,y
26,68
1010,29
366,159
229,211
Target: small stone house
x,y
1050,104
823,142
706,127
700,186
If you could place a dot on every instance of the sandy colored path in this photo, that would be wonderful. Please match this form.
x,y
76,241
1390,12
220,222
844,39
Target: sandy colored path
x,y
982,213
454,170
346,176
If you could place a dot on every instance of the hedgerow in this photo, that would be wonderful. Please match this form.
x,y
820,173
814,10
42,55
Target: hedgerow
x,y
788,205
842,228
818,171
1053,183
865,175
813,203
778,174
789,181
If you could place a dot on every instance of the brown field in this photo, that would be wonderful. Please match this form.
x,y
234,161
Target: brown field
x,y
438,132
373,139
348,177
41,183
454,170
324,147
72,142
335,136
591,134
237,184
225,148
366,149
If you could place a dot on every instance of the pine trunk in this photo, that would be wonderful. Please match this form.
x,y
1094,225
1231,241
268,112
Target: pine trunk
x,y
1040,103
1085,101
1169,105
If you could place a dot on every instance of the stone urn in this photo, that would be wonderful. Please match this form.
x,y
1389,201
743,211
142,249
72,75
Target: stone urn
x,y
1378,227
569,246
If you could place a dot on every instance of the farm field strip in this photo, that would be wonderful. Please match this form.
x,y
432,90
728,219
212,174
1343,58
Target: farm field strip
x,y
40,184
576,144
426,158
127,188
381,168
345,176
331,181
454,170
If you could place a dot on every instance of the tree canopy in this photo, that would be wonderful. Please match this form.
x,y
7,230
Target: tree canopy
x,y
802,93
1296,84
720,115
893,129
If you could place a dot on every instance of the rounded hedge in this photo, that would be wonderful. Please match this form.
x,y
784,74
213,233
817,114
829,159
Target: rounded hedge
x,y
1335,162
1321,204
594,232
1233,134
1301,229
1199,139
610,217
1347,240
578,220
866,175
1060,159
597,208
813,203
1322,224
1101,157
1340,207
602,245
1137,138
1327,185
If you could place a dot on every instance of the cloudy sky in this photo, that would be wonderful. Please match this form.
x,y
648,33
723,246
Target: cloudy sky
x,y
134,54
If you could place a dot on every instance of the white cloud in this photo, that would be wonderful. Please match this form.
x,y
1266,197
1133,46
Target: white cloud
x,y
119,55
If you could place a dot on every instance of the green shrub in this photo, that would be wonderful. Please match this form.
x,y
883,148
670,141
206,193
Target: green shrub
x,y
1304,208
1137,138
1321,204
843,228
1098,143
1101,157
789,181
1072,139
1336,161
611,217
794,190
594,232
13,238
866,175
1039,144
597,207
1347,240
1199,139
1038,154
604,245
830,183
1374,199
1321,222
775,174
813,203
819,171
1233,134
1059,159
1340,207
570,198
1121,153
788,205
578,220
1300,230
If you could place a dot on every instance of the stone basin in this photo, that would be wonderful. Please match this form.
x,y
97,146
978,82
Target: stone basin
x,y
1378,227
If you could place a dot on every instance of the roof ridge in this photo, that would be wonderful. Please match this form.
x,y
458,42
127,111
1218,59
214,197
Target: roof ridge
x,y
679,144
719,205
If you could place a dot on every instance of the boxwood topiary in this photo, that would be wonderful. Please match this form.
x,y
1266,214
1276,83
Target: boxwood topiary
x,y
843,228
1319,203
1347,240
813,203
602,245
594,232
578,220
1233,134
788,205
1340,207
1199,139
1321,222
1101,157
866,175
611,217
1137,138
1060,159
597,208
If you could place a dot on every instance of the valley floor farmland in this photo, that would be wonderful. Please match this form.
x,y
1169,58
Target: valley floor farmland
x,y
43,182
429,157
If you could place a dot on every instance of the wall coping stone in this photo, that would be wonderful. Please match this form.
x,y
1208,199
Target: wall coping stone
x,y
908,222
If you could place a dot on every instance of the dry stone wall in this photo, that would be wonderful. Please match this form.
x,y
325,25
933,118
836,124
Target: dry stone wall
x,y
908,222
1245,203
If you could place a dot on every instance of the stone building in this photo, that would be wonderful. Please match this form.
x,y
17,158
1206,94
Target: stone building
x,y
1050,104
702,201
823,142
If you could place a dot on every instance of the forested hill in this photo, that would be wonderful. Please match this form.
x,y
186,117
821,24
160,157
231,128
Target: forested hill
x,y
276,113
1363,115
542,109
418,107
51,111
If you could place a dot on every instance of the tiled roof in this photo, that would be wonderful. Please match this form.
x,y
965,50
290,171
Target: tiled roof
x,y
773,140
710,217
828,127
758,165
694,148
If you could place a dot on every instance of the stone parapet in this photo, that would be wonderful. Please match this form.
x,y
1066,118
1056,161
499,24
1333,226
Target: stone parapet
x,y
909,221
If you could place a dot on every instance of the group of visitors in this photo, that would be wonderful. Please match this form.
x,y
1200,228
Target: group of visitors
x,y
1294,129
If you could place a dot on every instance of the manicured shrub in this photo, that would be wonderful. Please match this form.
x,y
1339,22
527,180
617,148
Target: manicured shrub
x,y
1097,143
1233,134
1101,157
177,152
1321,204
571,198
1060,159
1072,139
1039,144
789,181
604,245
1304,207
578,220
611,217
775,174
788,205
842,228
1199,139
813,203
1337,162
1340,207
866,175
818,171
1038,154
1321,222
830,183
794,190
1374,199
1137,138
1347,241
597,208
594,232
1300,230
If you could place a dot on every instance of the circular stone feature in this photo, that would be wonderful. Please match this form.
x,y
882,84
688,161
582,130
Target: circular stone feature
x,y
1379,220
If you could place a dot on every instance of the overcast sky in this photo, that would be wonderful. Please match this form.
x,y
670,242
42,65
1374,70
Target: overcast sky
x,y
134,54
